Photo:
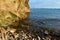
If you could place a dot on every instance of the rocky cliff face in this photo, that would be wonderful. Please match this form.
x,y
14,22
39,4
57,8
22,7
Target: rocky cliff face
x,y
12,10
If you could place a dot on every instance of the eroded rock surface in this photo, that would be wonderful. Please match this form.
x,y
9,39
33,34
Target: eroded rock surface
x,y
11,10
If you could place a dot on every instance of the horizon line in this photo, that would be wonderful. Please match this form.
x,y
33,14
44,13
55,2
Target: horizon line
x,y
49,8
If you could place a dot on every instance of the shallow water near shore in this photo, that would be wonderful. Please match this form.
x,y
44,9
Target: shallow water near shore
x,y
51,17
39,26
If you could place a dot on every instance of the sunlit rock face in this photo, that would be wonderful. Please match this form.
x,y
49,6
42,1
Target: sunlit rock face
x,y
11,10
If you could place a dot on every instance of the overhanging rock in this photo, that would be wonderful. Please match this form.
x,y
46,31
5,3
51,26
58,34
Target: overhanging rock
x,y
11,10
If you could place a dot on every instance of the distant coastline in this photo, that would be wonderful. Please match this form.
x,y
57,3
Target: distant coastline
x,y
46,8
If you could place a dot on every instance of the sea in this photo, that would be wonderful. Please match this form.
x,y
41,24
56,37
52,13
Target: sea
x,y
51,17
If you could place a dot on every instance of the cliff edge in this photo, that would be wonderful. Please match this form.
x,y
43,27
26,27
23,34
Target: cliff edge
x,y
12,10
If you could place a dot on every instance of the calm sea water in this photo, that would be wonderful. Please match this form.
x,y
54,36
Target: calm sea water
x,y
50,16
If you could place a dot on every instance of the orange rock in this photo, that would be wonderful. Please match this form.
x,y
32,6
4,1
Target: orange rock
x,y
4,31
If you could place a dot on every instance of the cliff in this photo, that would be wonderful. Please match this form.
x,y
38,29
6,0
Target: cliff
x,y
12,10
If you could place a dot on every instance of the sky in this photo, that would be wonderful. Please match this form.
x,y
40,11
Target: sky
x,y
44,3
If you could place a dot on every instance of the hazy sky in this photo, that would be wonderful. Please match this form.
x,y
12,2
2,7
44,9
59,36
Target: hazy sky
x,y
44,3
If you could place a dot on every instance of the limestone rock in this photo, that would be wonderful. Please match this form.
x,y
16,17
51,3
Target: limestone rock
x,y
11,10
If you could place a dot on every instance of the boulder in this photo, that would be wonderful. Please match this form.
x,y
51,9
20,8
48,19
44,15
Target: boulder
x,y
12,10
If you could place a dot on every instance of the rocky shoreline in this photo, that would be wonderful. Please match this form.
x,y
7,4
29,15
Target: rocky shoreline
x,y
28,31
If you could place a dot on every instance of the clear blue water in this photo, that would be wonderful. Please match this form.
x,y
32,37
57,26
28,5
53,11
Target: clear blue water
x,y
50,16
